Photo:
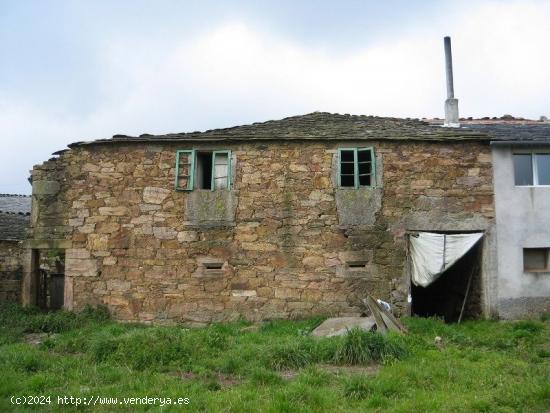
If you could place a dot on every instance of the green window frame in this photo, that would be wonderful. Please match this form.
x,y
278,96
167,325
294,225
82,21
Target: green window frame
x,y
362,167
185,170
186,161
215,178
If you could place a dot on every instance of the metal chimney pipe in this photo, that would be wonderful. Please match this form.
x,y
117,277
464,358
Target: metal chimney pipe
x,y
449,67
451,104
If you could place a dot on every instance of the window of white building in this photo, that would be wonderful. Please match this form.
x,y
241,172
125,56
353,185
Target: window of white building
x,y
536,259
532,169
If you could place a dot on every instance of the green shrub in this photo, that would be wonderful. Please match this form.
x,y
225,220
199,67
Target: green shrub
x,y
357,387
291,327
216,339
32,320
213,385
103,347
264,377
529,326
289,356
362,347
24,359
30,362
9,335
230,365
313,376
542,393
99,313
143,348
324,349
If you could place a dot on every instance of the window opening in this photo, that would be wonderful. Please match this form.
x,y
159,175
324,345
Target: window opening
x,y
209,170
213,265
356,168
535,259
531,169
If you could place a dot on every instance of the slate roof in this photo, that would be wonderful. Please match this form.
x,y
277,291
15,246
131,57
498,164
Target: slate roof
x,y
514,131
15,203
15,213
315,126
506,129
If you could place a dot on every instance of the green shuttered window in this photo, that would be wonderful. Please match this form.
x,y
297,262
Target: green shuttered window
x,y
196,169
356,168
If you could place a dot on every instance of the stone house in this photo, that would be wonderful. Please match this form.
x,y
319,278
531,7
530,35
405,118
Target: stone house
x,y
14,221
288,218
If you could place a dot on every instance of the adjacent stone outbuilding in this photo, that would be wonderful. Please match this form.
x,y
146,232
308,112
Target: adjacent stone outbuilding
x,y
14,221
304,215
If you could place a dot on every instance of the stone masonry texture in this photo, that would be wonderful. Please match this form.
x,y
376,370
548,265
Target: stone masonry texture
x,y
14,221
281,242
12,255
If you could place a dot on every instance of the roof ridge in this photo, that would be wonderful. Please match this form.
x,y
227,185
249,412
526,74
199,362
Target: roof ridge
x,y
22,213
311,126
335,115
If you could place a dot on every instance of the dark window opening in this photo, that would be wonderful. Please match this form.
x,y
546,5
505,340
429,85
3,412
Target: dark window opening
x,y
356,167
204,170
50,278
523,170
213,265
446,296
357,265
364,158
364,180
347,168
347,156
347,181
536,259
531,169
543,168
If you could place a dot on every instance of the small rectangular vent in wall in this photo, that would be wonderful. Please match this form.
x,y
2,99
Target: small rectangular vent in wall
x,y
213,265
357,265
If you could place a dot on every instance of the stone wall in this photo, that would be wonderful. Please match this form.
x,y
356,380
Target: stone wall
x,y
12,255
286,244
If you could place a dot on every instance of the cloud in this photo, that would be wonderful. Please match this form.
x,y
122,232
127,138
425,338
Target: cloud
x,y
502,62
236,73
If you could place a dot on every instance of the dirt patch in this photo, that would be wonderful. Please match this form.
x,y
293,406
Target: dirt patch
x,y
370,370
288,374
228,380
35,339
251,328
224,380
183,375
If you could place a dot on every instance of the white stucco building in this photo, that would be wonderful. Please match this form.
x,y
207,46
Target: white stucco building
x,y
521,167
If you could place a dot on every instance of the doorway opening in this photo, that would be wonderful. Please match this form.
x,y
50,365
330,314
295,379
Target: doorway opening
x,y
457,290
50,278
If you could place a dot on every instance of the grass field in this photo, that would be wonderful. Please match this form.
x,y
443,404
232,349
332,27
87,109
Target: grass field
x,y
479,366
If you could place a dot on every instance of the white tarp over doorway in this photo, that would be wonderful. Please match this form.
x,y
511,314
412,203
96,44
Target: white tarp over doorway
x,y
433,254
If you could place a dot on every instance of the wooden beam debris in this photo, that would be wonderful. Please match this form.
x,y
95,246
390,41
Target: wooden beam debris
x,y
385,320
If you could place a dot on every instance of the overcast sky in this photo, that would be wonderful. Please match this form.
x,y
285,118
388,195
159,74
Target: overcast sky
x,y
80,70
